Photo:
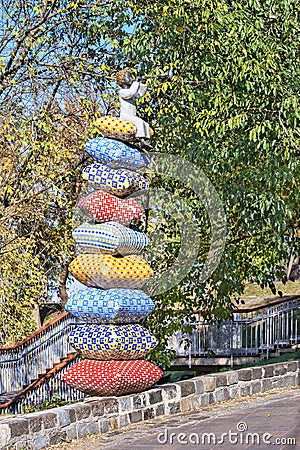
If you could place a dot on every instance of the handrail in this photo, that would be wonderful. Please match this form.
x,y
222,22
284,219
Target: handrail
x,y
38,345
283,299
260,329
261,317
266,315
27,359
36,383
36,333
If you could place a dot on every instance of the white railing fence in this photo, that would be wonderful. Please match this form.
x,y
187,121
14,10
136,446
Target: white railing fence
x,y
52,391
21,364
249,333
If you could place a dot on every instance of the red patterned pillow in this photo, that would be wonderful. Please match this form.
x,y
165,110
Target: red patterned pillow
x,y
104,207
104,378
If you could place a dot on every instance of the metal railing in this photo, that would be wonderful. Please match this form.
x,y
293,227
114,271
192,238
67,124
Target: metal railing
x,y
49,391
249,333
21,364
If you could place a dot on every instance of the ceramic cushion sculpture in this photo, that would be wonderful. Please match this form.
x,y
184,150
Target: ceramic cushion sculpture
x,y
116,128
119,182
115,154
110,306
104,207
109,237
105,378
107,272
106,342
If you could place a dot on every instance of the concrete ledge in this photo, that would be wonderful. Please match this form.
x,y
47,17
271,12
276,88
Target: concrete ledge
x,y
98,415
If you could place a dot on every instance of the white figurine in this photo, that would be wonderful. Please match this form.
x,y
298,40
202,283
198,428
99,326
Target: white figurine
x,y
130,91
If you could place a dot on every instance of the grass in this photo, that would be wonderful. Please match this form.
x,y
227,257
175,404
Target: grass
x,y
51,317
255,296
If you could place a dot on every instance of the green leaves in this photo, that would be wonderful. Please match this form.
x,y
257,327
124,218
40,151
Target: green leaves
x,y
40,181
233,109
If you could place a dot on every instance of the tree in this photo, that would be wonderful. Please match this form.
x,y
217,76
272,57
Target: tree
x,y
40,182
232,108
55,57
56,50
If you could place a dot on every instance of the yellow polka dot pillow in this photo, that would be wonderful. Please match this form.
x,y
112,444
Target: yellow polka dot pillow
x,y
108,272
114,127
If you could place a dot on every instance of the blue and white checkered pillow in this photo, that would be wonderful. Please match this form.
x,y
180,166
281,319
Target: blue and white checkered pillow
x,y
110,306
115,154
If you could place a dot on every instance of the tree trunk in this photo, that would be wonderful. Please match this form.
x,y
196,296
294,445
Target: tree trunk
x,y
37,316
292,261
62,288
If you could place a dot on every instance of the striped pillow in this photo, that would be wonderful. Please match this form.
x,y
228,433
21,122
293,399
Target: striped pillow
x,y
109,237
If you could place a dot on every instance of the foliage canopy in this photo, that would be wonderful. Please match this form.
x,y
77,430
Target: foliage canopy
x,y
232,108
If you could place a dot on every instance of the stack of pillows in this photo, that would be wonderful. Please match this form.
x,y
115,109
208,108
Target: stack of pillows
x,y
111,268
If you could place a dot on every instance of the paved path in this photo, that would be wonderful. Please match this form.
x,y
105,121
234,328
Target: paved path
x,y
263,421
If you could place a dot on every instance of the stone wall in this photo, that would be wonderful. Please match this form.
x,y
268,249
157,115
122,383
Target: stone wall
x,y
98,415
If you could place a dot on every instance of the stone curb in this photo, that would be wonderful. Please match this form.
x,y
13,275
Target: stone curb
x,y
97,415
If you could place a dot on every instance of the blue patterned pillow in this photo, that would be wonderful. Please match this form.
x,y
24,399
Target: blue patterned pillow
x,y
110,306
115,154
120,182
109,237
106,342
